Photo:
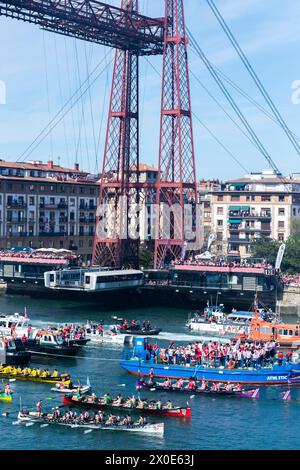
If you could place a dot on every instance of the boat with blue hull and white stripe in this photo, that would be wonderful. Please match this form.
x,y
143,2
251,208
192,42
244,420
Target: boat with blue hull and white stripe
x,y
138,363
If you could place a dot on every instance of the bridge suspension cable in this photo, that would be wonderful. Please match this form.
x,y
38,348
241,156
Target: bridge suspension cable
x,y
232,102
254,75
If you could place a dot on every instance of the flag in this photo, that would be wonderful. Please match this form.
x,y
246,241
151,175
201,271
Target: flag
x,y
25,312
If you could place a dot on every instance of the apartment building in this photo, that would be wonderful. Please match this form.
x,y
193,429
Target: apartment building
x,y
258,205
205,190
46,205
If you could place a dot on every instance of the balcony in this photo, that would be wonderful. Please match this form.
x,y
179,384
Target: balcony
x,y
16,220
17,234
87,220
60,205
63,220
87,207
53,234
16,204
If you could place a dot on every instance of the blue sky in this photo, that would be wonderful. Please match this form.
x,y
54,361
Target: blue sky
x,y
41,71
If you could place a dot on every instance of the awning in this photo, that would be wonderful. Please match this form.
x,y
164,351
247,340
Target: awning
x,y
234,221
238,185
239,208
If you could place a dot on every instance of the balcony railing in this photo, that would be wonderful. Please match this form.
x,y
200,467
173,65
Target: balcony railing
x,y
16,220
53,234
16,204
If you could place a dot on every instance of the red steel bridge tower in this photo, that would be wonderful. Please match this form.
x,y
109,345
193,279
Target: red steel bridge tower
x,y
176,186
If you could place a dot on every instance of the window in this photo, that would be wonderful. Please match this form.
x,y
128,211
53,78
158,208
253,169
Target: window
x,y
92,190
266,198
220,223
219,235
281,198
220,198
61,243
87,279
72,202
81,231
81,243
235,198
90,243
281,224
31,200
281,237
220,210
281,211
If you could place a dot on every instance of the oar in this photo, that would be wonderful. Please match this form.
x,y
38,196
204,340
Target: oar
x,y
15,422
44,425
87,431
192,396
12,380
152,389
122,385
29,424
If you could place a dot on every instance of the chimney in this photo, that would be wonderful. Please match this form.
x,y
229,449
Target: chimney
x,y
76,166
50,164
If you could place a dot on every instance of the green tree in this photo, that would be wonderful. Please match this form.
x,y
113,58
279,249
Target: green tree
x,y
147,255
266,249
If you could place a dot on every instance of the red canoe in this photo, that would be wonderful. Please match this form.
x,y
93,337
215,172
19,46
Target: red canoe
x,y
177,411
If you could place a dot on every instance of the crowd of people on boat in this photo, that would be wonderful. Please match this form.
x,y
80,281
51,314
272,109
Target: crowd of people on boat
x,y
27,371
134,325
192,384
85,417
233,354
224,262
131,401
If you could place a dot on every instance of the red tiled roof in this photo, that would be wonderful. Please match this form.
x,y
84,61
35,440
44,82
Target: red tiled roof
x,y
48,180
39,166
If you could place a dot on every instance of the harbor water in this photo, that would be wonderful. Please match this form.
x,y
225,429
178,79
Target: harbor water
x,y
216,422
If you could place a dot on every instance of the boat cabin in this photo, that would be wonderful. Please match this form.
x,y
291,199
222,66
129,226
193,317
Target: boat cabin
x,y
285,334
19,322
49,338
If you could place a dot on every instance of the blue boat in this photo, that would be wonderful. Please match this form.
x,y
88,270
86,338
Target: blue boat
x,y
138,363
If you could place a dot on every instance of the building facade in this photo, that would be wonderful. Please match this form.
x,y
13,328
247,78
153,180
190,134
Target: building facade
x,y
261,205
47,206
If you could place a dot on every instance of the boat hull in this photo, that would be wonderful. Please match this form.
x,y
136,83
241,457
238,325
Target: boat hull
x,y
277,375
175,412
6,398
28,378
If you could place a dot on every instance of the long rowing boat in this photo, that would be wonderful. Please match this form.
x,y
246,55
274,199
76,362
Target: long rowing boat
x,y
99,403
31,378
35,417
159,386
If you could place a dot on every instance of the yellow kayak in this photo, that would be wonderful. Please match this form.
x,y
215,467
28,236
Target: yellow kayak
x,y
5,397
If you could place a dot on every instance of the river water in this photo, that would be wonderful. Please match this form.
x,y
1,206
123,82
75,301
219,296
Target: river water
x,y
216,423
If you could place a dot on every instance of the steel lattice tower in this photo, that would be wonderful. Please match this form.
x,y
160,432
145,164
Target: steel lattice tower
x,y
177,176
114,245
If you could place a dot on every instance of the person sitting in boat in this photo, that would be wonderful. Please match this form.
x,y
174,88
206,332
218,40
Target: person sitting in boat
x,y
142,404
168,405
7,390
139,422
86,416
44,374
107,399
229,387
133,324
204,385
215,387
238,387
167,383
55,373
192,384
118,400
33,373
179,383
151,376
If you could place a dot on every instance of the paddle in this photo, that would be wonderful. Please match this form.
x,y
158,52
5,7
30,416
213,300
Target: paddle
x,y
15,422
29,424
44,425
152,389
192,396
122,385
87,431
12,380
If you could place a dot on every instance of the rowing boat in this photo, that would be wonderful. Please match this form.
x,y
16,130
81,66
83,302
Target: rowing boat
x,y
70,391
158,386
97,403
5,397
31,378
35,417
